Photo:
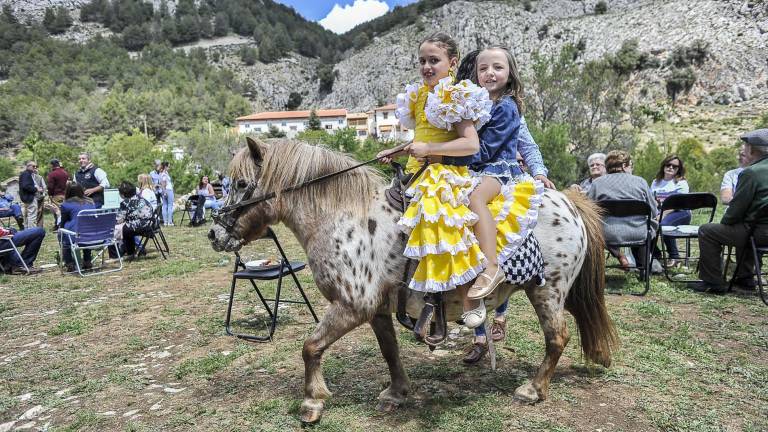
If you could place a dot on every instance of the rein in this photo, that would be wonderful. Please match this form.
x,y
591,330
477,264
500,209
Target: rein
x,y
227,219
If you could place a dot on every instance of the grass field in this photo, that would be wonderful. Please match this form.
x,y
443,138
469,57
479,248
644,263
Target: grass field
x,y
144,349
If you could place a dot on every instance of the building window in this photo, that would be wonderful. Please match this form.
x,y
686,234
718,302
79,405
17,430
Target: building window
x,y
293,128
257,129
385,115
362,133
283,124
269,124
341,121
329,126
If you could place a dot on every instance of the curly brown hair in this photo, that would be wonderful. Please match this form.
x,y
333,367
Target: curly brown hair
x,y
615,161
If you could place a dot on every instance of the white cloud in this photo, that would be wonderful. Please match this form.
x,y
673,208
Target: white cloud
x,y
343,18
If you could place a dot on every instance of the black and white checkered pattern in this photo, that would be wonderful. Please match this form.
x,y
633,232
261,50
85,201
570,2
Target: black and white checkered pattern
x,y
526,263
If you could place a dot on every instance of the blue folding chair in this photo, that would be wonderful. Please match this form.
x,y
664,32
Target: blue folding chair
x,y
6,247
96,231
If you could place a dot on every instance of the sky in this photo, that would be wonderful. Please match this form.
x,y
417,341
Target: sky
x,y
340,16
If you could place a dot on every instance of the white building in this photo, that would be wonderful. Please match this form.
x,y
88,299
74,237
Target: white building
x,y
291,122
386,126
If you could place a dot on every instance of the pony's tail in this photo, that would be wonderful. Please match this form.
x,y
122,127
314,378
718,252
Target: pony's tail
x,y
586,300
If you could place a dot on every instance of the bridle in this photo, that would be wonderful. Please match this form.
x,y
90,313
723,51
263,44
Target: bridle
x,y
227,215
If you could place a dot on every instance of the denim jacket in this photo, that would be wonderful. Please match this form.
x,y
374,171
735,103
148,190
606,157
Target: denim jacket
x,y
500,139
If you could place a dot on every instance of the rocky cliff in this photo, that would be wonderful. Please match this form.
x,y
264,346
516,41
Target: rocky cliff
x,y
736,70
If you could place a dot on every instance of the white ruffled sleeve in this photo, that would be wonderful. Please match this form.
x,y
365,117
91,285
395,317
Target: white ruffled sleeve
x,y
451,103
405,106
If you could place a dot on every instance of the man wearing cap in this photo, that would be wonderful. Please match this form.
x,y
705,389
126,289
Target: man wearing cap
x,y
92,178
750,197
57,183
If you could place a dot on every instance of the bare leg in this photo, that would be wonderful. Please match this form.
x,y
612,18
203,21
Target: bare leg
x,y
556,338
485,228
337,321
394,395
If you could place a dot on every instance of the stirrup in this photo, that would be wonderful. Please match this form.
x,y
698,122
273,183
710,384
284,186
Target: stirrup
x,y
440,332
420,329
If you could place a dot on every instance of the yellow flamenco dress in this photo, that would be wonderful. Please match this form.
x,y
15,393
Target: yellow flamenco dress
x,y
438,218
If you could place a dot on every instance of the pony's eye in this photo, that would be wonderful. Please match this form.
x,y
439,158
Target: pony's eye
x,y
241,184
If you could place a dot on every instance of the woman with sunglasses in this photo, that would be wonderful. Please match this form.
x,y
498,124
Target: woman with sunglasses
x,y
670,180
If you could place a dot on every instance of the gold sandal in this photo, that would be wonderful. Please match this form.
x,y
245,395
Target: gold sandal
x,y
479,291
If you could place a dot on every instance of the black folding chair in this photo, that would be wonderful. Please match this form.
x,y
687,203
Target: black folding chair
x,y
190,207
627,208
757,255
707,202
277,272
156,235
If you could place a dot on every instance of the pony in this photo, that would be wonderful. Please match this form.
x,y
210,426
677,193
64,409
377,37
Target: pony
x,y
354,248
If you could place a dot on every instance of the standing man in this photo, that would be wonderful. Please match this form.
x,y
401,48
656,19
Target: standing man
x,y
750,197
42,192
92,178
596,162
731,178
28,193
57,184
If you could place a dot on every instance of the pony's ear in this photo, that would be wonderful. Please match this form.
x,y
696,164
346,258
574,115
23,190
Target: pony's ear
x,y
256,148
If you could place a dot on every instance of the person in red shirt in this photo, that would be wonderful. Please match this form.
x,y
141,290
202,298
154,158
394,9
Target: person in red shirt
x,y
57,183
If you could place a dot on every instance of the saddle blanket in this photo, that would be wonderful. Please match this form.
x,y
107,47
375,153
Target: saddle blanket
x,y
526,263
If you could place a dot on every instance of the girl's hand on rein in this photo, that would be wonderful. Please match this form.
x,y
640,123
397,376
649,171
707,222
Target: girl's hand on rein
x,y
383,155
418,149
547,182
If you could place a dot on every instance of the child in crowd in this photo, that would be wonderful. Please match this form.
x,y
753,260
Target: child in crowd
x,y
443,115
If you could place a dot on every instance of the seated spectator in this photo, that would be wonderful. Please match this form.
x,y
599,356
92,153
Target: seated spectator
x,y
205,189
9,208
147,190
596,162
731,178
670,180
28,241
136,217
619,183
74,201
750,198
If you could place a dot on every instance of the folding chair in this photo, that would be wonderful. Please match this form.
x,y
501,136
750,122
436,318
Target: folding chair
x,y
627,208
95,231
277,272
7,246
692,202
156,235
757,255
190,207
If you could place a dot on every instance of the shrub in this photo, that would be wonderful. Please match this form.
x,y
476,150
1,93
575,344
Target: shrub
x,y
7,169
249,55
274,132
294,101
601,7
680,81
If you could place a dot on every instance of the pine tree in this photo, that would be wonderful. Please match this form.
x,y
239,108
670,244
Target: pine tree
x,y
49,19
221,24
314,121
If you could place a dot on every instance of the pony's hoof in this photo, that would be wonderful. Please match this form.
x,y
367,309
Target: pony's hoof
x,y
311,411
387,406
526,394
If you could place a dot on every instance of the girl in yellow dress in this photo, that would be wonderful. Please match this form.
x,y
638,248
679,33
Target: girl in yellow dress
x,y
444,116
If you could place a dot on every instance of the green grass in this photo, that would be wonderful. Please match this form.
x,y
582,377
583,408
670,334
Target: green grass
x,y
688,362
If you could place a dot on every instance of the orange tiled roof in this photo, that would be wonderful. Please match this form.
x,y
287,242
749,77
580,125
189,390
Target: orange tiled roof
x,y
279,115
357,116
386,107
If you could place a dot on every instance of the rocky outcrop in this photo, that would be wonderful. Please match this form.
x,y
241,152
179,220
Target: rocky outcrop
x,y
736,70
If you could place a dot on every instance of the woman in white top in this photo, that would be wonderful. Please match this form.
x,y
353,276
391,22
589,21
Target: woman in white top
x,y
147,190
166,189
205,189
670,180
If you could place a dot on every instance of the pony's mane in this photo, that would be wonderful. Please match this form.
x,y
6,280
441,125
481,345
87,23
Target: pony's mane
x,y
289,163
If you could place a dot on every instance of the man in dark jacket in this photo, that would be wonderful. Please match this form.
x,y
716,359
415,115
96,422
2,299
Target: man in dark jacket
x,y
28,191
92,178
751,196
57,184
